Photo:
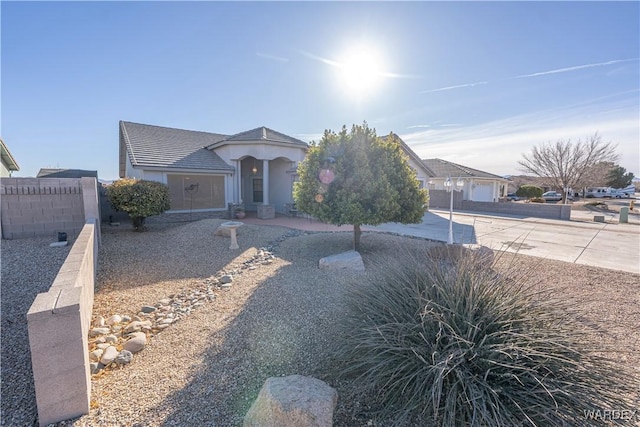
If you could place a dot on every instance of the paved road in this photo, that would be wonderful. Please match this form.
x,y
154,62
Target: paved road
x,y
581,241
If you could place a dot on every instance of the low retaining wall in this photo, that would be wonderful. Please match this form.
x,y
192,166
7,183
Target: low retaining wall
x,y
58,324
536,210
441,199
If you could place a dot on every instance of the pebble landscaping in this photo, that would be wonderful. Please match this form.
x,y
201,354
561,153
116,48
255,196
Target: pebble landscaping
x,y
114,341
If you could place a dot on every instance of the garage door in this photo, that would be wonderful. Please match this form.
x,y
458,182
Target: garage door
x,y
483,193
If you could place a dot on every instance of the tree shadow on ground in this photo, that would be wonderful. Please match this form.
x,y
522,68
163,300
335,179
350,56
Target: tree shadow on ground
x,y
290,324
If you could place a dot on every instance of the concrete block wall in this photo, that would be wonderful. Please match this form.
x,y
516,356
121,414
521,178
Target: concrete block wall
x,y
58,324
32,207
536,210
441,199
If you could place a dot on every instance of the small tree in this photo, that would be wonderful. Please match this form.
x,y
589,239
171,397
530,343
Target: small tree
x,y
358,178
565,164
618,177
139,198
529,191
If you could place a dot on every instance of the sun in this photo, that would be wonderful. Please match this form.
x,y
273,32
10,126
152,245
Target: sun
x,y
360,70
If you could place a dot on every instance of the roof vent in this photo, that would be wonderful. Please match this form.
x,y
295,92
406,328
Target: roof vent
x,y
264,133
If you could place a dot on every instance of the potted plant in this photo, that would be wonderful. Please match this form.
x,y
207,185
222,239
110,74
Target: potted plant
x,y
239,212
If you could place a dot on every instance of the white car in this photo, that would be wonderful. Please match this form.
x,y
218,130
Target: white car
x,y
552,196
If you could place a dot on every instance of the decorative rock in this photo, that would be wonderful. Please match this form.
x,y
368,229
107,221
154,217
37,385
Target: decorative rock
x,y
137,325
164,301
347,260
95,355
126,319
291,402
95,367
166,321
226,286
99,322
109,355
111,339
113,320
148,309
124,357
136,343
102,346
100,340
99,331
227,278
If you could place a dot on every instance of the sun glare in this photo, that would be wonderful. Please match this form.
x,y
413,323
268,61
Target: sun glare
x,y
360,70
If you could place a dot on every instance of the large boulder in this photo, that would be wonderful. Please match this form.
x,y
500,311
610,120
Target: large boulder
x,y
293,401
347,260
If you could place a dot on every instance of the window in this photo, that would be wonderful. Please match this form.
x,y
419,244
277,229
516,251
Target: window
x,y
257,190
196,191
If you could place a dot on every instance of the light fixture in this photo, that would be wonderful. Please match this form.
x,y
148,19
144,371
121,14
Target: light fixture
x,y
448,185
254,169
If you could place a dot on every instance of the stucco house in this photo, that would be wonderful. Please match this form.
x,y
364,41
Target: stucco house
x,y
208,171
9,164
479,186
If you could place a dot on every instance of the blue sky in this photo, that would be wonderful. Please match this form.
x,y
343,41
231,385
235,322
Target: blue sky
x,y
477,83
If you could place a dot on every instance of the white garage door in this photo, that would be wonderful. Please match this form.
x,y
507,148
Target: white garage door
x,y
483,193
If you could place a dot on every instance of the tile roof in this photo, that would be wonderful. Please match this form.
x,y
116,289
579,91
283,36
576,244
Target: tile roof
x,y
66,173
261,134
159,146
411,154
443,168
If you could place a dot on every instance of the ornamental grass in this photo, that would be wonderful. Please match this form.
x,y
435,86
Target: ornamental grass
x,y
442,339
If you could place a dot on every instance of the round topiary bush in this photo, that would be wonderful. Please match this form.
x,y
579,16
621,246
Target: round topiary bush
x,y
139,198
529,191
446,341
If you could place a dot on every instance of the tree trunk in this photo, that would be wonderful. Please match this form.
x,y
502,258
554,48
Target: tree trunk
x,y
356,237
138,223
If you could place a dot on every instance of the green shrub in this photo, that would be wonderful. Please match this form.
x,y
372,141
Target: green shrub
x,y
446,341
139,198
537,200
529,191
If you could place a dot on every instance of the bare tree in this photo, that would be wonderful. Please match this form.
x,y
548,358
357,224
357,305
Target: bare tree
x,y
566,164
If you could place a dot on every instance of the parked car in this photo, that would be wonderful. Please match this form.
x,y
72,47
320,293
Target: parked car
x,y
552,196
512,196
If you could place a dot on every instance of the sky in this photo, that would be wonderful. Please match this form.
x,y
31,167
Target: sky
x,y
476,83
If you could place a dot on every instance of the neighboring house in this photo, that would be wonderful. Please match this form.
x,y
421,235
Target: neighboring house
x,y
423,173
208,171
9,164
479,186
66,173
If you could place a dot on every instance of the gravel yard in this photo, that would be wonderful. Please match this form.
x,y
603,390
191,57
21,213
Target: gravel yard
x,y
279,319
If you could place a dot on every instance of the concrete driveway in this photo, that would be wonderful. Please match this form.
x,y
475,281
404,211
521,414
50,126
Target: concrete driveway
x,y
580,241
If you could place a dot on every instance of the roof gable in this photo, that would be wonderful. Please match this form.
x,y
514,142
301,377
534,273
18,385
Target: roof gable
x,y
262,134
442,168
7,157
158,146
